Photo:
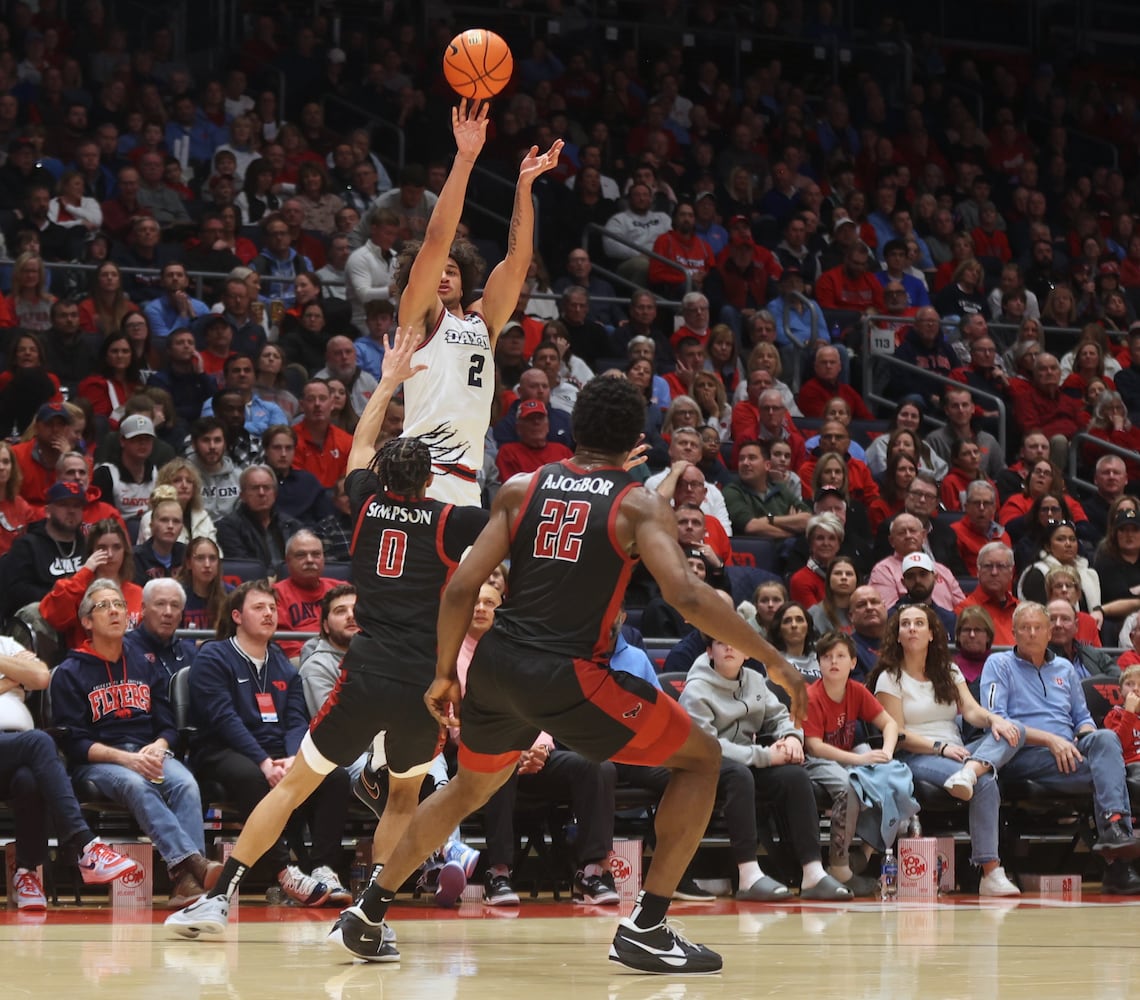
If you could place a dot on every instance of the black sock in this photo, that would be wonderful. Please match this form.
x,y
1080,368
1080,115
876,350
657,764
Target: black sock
x,y
374,902
649,910
233,871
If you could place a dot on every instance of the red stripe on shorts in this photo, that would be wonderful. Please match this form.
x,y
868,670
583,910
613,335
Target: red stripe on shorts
x,y
486,763
659,728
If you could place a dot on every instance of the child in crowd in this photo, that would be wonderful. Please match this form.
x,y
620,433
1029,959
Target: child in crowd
x,y
835,705
1124,720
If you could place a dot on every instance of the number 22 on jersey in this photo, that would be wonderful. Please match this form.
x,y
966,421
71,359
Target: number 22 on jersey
x,y
559,536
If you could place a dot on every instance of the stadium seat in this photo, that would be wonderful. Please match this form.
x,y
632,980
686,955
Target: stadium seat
x,y
672,683
754,553
239,571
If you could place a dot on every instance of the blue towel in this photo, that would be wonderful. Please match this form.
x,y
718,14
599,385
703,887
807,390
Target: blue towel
x,y
886,794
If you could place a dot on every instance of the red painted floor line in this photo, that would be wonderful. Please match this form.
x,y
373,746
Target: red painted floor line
x,y
253,911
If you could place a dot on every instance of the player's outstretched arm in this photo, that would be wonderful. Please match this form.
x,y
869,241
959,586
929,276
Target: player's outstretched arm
x,y
421,297
458,600
395,369
501,291
655,533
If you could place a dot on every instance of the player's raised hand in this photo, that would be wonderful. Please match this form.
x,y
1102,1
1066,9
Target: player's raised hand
x,y
469,126
397,363
534,165
791,680
442,700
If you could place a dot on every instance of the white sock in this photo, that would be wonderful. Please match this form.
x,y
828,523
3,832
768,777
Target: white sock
x,y
592,870
750,874
813,872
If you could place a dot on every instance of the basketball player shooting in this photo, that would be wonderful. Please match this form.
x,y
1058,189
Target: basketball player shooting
x,y
455,342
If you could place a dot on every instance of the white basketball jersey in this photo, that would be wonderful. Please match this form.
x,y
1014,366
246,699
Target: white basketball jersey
x,y
455,392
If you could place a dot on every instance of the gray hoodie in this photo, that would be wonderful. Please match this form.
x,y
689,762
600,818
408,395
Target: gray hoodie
x,y
219,489
736,712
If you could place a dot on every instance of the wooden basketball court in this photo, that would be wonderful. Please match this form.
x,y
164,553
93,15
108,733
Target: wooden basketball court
x,y
954,948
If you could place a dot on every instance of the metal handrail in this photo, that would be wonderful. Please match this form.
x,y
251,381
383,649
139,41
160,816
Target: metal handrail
x,y
498,179
601,230
870,396
371,118
199,276
1083,436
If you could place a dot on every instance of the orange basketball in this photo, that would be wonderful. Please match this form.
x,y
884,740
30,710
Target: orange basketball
x,y
477,64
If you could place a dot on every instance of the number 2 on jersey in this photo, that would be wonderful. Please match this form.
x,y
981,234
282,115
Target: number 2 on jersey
x,y
475,372
559,536
393,547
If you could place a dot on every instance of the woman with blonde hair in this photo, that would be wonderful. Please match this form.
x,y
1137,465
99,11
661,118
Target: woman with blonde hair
x,y
15,512
683,412
184,479
708,391
30,300
766,356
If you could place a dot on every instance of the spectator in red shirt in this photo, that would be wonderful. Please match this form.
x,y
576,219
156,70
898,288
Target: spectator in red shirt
x,y
849,286
978,527
53,435
532,450
695,313
299,594
739,284
1043,407
989,241
683,246
690,355
322,447
824,385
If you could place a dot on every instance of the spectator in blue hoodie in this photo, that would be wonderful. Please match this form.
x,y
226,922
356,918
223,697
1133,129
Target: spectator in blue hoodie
x,y
119,731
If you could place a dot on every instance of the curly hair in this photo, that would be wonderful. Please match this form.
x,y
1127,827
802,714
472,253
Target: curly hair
x,y
609,415
938,660
470,263
403,464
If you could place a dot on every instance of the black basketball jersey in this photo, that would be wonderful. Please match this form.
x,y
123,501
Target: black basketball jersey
x,y
403,552
568,573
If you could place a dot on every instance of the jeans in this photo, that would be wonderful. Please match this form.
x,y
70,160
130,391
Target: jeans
x,y
170,814
835,779
31,777
1101,772
985,804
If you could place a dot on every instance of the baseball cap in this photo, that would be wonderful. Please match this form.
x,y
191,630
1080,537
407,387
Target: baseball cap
x,y
792,270
702,196
740,220
337,56
840,223
134,425
50,411
917,560
63,492
1109,267
532,408
1124,517
512,329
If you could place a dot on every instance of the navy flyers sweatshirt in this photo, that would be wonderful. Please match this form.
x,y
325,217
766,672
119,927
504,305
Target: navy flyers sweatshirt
x,y
121,703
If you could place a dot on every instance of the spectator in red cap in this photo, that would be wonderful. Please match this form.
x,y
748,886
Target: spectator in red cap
x,y
532,450
37,457
741,282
